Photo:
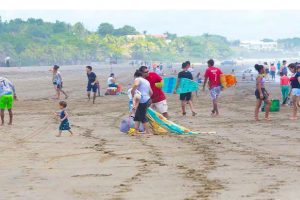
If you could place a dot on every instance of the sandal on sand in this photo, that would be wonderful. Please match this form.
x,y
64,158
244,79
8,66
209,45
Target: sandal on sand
x,y
184,113
194,114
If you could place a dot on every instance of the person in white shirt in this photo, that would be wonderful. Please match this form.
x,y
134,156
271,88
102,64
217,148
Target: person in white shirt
x,y
111,81
7,97
57,82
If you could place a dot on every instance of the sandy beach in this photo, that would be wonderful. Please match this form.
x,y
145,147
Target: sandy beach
x,y
243,160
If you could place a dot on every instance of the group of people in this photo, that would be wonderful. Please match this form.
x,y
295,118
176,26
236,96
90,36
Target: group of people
x,y
290,87
272,69
147,91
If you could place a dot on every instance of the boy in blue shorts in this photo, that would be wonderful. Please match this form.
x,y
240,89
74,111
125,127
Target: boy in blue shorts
x,y
7,97
92,83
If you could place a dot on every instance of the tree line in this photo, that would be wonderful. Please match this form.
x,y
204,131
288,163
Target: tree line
x,y
36,42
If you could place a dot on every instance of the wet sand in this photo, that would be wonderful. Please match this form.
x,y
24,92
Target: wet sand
x,y
243,160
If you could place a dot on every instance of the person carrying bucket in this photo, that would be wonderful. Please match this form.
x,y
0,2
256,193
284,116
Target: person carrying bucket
x,y
261,93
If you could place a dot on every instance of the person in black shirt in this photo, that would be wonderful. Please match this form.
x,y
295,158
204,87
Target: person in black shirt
x,y
92,80
295,85
185,98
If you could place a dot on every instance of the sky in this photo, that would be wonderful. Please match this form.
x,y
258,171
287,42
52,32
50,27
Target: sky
x,y
233,24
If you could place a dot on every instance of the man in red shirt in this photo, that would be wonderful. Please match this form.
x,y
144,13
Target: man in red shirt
x,y
159,102
213,74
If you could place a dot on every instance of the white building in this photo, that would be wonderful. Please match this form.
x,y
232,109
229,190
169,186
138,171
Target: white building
x,y
135,37
259,45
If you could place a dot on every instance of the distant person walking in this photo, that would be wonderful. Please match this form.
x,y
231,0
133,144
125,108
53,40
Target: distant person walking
x,y
185,98
284,68
58,82
7,97
278,66
285,87
7,61
191,68
273,71
267,70
199,81
92,83
213,75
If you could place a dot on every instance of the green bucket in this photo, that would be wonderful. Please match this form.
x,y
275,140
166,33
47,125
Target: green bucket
x,y
275,106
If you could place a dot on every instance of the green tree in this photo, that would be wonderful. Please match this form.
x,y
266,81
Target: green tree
x,y
125,30
105,29
170,36
59,27
79,29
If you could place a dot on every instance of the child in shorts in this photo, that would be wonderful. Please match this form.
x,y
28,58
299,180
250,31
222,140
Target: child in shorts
x,y
64,121
57,82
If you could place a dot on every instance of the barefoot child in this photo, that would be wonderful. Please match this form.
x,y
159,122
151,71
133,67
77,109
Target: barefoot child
x,y
57,82
7,97
64,121
295,85
261,92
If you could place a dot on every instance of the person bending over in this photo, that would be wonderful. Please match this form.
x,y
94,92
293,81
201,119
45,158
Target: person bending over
x,y
7,97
